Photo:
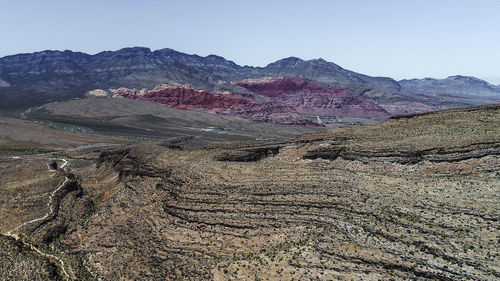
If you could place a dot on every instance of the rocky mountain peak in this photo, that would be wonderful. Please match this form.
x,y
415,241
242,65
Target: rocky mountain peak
x,y
286,62
137,50
312,99
458,86
54,74
321,61
467,79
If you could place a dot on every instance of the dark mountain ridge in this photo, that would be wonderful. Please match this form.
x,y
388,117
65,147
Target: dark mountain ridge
x,y
36,78
465,86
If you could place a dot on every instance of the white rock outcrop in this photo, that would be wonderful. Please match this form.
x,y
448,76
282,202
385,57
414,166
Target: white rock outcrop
x,y
4,83
98,93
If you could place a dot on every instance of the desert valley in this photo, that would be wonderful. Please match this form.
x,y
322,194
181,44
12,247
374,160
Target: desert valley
x,y
159,165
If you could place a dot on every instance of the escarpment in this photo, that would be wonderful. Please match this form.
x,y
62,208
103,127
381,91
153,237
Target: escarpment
x,y
411,199
448,136
407,155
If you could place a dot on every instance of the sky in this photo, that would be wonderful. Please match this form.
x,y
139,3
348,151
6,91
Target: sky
x,y
395,38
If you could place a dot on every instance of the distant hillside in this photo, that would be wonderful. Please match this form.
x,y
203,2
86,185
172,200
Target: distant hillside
x,y
455,88
32,79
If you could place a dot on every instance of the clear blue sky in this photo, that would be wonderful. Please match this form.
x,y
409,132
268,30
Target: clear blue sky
x,y
396,38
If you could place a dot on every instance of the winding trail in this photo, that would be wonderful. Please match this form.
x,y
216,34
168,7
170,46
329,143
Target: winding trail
x,y
14,235
51,211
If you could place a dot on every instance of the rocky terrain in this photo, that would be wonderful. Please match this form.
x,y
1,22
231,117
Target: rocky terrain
x,y
312,99
28,80
182,97
232,104
413,198
22,264
272,99
75,123
453,87
270,112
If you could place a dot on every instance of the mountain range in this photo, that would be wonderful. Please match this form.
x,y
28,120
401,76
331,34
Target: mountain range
x,y
321,88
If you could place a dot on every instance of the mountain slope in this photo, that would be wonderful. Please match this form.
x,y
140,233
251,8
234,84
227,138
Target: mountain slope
x,y
414,198
274,99
37,78
331,75
225,103
457,87
312,99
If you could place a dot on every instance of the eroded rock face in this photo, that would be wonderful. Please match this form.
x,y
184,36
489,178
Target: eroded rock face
x,y
414,198
249,154
262,211
271,112
309,98
182,97
231,104
447,150
288,99
275,86
98,93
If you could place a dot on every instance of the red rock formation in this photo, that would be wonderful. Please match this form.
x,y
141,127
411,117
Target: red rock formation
x,y
312,99
273,86
183,97
270,112
231,104
332,104
289,98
